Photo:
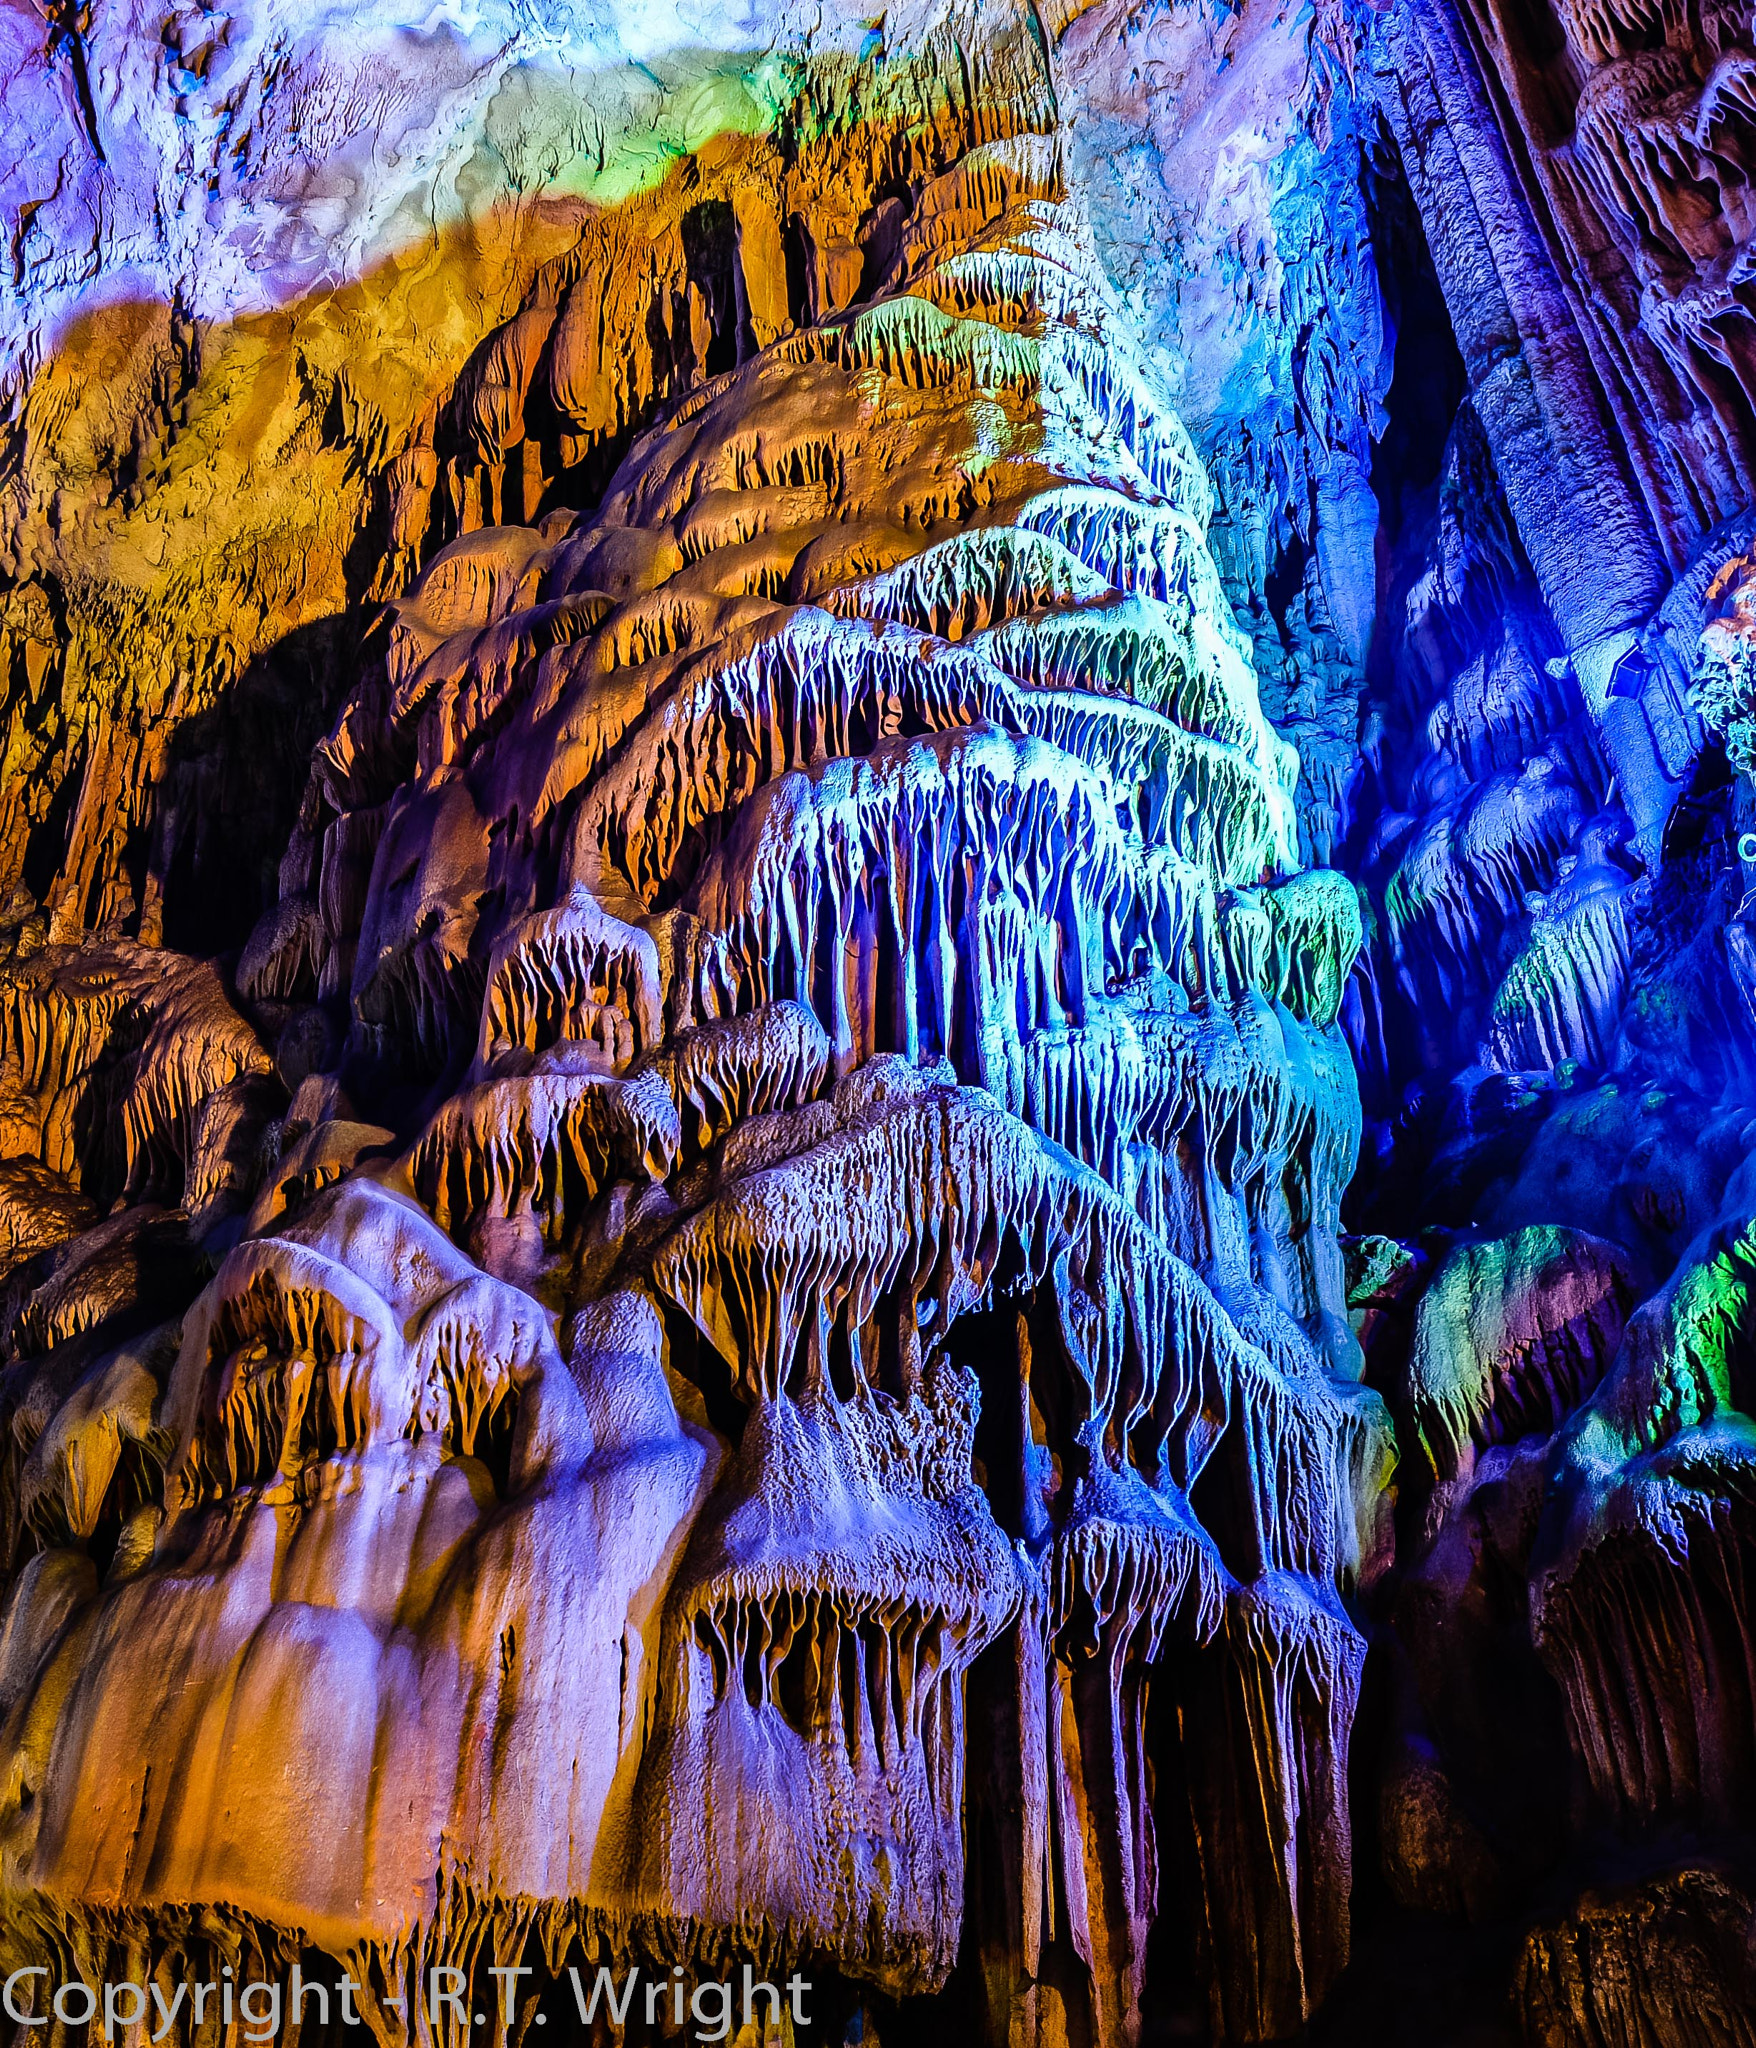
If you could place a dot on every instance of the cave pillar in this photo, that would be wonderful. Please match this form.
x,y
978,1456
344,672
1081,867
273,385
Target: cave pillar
x,y
1577,471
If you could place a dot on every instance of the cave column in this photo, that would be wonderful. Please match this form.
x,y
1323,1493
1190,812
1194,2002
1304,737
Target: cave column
x,y
1568,470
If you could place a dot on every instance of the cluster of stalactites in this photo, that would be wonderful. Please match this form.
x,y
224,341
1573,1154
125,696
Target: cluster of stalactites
x,y
295,1355
126,1072
843,893
1638,1601
1097,621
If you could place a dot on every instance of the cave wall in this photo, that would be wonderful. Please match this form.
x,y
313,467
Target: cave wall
x,y
876,1050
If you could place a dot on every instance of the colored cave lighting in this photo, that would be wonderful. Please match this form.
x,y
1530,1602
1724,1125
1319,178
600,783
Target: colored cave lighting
x,y
877,1073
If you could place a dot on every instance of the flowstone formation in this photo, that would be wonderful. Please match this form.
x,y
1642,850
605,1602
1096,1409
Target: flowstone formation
x,y
878,1019
724,1340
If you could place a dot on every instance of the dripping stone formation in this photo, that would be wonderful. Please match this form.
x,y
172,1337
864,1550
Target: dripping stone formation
x,y
877,1063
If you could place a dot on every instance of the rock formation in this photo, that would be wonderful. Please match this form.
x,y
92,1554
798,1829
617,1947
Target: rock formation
x,y
877,1039
774,1164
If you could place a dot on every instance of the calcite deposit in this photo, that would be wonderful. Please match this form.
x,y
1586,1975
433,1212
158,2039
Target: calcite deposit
x,y
877,1042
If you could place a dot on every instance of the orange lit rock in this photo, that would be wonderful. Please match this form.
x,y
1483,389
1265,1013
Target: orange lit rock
x,y
771,1168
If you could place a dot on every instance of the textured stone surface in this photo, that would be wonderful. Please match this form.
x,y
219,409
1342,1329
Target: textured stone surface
x,y
877,1050
786,1121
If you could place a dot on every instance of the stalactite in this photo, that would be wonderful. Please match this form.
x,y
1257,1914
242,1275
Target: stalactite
x,y
741,947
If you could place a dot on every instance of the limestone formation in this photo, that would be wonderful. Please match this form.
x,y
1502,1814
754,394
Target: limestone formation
x,y
878,1021
816,1125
